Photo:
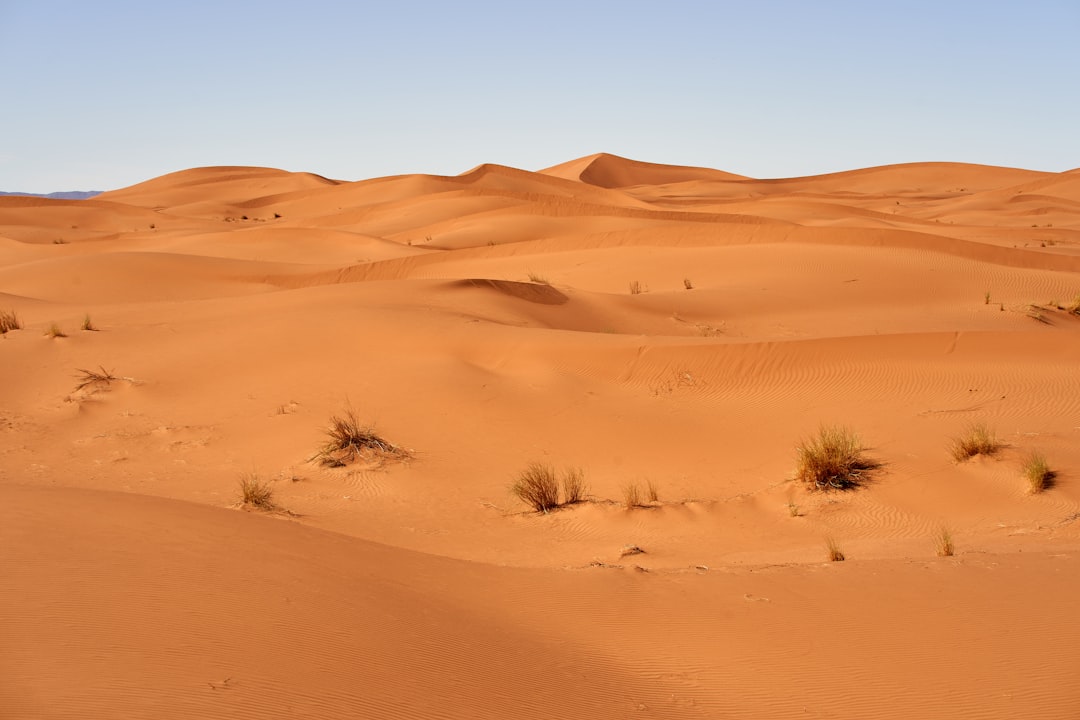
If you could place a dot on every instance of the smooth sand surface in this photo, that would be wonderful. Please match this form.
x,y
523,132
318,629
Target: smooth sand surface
x,y
485,321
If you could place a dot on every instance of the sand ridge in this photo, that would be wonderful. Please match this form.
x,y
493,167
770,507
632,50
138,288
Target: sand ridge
x,y
667,326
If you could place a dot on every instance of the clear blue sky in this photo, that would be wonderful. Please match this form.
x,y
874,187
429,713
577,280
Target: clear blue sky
x,y
99,95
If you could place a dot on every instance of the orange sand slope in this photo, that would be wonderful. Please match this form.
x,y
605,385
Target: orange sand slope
x,y
663,327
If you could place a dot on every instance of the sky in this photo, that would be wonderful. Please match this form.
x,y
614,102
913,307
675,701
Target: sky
x,y
96,96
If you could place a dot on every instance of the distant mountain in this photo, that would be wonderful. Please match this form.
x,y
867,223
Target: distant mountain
x,y
69,195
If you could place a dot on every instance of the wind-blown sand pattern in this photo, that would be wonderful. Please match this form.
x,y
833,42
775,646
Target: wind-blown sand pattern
x,y
485,321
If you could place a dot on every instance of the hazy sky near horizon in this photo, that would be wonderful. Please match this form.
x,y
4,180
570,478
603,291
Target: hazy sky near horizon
x,y
106,94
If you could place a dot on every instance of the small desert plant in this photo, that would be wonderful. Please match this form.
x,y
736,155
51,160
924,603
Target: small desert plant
x,y
348,441
59,241
832,459
538,487
537,278
978,439
1037,473
833,551
88,324
651,492
943,543
90,378
793,509
631,496
9,321
1074,306
256,493
636,288
1036,313
986,298
573,486
54,331
687,284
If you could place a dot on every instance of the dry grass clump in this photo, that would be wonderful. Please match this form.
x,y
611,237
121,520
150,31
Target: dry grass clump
x,y
1037,472
1074,306
833,459
833,551
54,331
348,440
687,284
92,378
538,278
978,439
631,496
256,493
636,288
88,324
573,486
9,321
651,492
944,544
538,487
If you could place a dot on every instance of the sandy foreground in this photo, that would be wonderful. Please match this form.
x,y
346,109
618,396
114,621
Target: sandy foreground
x,y
655,326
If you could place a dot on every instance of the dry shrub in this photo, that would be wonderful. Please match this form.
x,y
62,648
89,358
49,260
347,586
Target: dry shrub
x,y
538,487
944,543
539,279
636,288
833,551
1037,472
1074,306
978,439
348,440
573,486
54,331
93,378
833,459
9,321
256,493
631,496
687,284
651,492
88,324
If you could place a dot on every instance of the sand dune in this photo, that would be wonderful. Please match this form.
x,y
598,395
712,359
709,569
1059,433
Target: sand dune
x,y
663,327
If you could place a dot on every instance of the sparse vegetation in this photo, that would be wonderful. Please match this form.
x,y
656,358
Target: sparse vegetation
x,y
687,284
943,543
793,509
54,331
986,298
832,459
537,278
631,496
256,493
1036,313
636,288
538,487
59,241
93,378
348,440
833,551
1037,472
9,321
1074,306
573,486
978,439
88,324
651,492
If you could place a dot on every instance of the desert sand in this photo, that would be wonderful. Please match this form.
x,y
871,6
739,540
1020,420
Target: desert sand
x,y
653,325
